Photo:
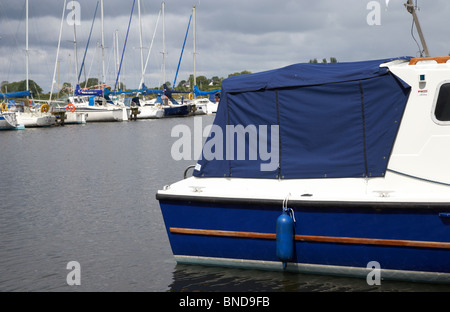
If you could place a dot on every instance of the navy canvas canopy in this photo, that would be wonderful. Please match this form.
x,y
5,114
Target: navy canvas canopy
x,y
330,120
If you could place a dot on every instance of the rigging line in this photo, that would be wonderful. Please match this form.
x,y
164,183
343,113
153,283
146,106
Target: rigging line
x,y
125,45
57,52
182,50
87,46
421,50
90,67
150,50
412,34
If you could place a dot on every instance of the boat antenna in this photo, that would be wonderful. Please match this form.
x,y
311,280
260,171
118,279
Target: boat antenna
x,y
412,9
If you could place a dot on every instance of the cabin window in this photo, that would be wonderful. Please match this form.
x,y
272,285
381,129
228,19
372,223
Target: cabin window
x,y
442,111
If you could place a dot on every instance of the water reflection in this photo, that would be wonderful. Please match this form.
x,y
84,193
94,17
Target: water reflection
x,y
193,278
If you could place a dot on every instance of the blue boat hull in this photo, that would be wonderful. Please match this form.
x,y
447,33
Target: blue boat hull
x,y
409,241
177,110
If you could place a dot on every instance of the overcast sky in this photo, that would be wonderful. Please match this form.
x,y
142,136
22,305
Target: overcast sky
x,y
232,36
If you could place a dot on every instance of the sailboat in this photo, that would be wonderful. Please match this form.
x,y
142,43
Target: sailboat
x,y
205,105
33,116
95,103
148,109
97,106
165,97
337,169
36,117
8,119
211,103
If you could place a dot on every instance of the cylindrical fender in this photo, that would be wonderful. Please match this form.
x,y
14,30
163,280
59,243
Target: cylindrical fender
x,y
285,237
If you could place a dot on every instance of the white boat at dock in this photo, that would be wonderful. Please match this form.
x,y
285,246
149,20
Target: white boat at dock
x,y
75,117
205,106
38,116
97,109
31,119
8,121
148,109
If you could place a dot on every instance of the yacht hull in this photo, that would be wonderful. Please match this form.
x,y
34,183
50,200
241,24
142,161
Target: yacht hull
x,y
409,241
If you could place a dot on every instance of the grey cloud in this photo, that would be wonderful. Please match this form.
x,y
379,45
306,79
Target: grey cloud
x,y
232,35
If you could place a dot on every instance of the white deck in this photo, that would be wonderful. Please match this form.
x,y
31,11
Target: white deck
x,y
418,169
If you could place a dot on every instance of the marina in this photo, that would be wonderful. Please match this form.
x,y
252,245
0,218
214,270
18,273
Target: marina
x,y
303,177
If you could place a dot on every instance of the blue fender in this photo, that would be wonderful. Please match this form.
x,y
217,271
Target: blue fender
x,y
285,237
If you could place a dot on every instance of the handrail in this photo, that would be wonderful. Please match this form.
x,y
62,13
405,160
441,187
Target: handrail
x,y
185,171
438,59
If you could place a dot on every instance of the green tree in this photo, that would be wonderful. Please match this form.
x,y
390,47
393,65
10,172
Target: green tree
x,y
21,86
315,61
245,72
66,88
90,83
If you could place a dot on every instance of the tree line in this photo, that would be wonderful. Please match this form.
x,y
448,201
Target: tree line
x,y
8,87
332,60
204,83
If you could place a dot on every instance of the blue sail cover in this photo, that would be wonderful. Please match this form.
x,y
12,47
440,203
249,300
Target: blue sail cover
x,y
12,95
198,92
332,120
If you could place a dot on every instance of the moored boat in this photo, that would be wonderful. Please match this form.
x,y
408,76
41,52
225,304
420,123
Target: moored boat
x,y
97,109
75,117
177,110
38,116
8,121
325,169
147,109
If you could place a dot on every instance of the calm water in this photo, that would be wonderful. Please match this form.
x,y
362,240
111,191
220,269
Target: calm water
x,y
86,193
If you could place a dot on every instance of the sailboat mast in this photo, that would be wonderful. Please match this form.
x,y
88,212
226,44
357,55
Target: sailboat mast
x,y
140,39
103,43
116,54
412,9
194,44
164,42
75,43
26,46
116,87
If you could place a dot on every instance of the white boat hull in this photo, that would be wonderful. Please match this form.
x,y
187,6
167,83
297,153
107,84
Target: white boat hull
x,y
150,112
104,114
98,113
211,108
75,118
8,121
36,119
